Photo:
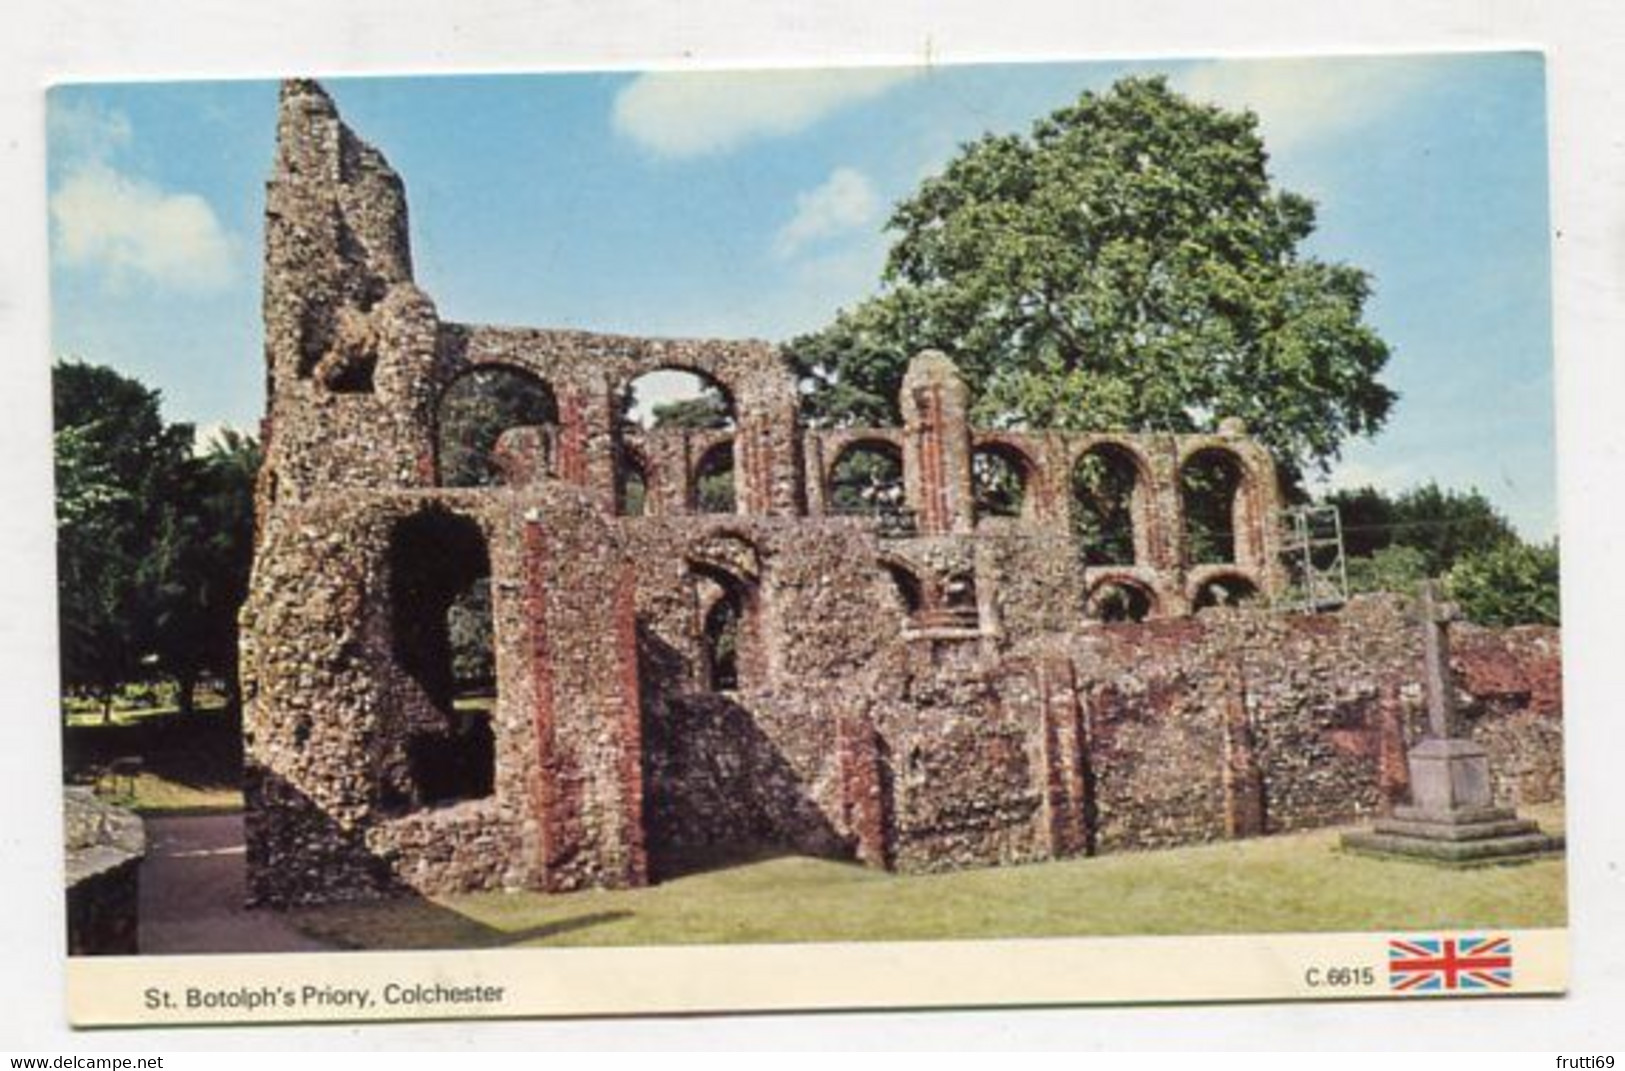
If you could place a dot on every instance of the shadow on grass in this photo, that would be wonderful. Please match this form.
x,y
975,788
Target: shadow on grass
x,y
201,751
415,923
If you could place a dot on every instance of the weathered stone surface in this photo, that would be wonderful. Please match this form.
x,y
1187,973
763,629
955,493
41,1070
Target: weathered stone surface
x,y
105,846
921,690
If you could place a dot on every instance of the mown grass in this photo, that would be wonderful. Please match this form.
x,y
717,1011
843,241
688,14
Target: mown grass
x,y
1292,883
188,763
154,794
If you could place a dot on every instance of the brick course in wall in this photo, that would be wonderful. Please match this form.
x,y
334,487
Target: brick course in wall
x,y
920,690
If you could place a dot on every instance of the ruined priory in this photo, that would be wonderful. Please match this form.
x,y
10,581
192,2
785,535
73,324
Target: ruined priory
x,y
705,643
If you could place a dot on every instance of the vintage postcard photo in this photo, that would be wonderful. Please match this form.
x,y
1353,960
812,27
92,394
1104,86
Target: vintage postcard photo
x,y
773,539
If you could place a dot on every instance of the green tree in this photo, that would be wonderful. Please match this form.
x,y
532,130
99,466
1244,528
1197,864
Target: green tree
x,y
206,551
1447,526
119,470
704,412
1442,526
1393,568
154,543
1125,265
1509,584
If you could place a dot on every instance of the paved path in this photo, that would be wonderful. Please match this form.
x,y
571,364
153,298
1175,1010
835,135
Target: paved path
x,y
192,890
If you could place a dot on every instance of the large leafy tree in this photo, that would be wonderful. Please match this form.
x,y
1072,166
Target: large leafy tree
x,y
1127,264
118,471
206,550
154,542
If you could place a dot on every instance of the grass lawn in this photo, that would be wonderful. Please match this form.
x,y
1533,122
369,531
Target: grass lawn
x,y
188,763
155,794
85,714
1297,882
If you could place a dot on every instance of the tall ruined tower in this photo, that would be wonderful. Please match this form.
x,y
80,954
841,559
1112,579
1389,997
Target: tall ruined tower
x,y
362,768
349,340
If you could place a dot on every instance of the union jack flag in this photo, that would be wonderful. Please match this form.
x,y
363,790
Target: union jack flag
x,y
1430,964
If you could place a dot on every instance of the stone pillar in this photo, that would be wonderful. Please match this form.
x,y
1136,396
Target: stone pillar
x,y
936,446
1446,772
1243,777
584,453
767,444
812,469
865,789
1452,818
1393,770
1066,761
1164,511
587,788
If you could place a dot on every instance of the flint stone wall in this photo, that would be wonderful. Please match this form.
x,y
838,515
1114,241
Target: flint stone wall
x,y
920,691
105,846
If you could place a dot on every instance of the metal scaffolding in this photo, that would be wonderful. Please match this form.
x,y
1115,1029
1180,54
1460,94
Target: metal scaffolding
x,y
1312,552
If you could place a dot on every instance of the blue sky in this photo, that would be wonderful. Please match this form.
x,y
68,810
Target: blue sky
x,y
752,204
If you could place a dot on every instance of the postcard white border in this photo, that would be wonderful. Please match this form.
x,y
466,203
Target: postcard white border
x,y
711,979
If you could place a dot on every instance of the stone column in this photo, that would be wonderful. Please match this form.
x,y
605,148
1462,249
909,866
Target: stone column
x,y
865,789
1447,773
936,446
1244,814
1066,760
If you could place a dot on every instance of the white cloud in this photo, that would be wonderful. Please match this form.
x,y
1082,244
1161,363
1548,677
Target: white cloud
x,y
1302,99
127,227
693,113
85,131
843,202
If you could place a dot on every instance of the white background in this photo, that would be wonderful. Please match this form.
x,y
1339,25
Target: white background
x,y
50,40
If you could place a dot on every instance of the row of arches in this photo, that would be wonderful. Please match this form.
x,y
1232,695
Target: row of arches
x,y
1112,508
1117,598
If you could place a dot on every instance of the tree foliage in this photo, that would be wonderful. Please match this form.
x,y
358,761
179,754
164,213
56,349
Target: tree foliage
x,y
154,543
704,412
475,411
1394,542
1127,264
1511,584
1441,525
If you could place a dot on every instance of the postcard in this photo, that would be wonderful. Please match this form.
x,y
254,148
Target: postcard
x,y
733,540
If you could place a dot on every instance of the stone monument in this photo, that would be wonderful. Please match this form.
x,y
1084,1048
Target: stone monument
x,y
1452,817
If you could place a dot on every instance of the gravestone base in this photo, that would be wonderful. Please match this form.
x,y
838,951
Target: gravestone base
x,y
1453,820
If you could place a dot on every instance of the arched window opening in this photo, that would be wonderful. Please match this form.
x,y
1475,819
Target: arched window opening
x,y
676,399
1211,482
999,478
714,480
1106,496
906,586
721,642
730,647
442,627
1118,601
867,480
1224,591
631,486
474,412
